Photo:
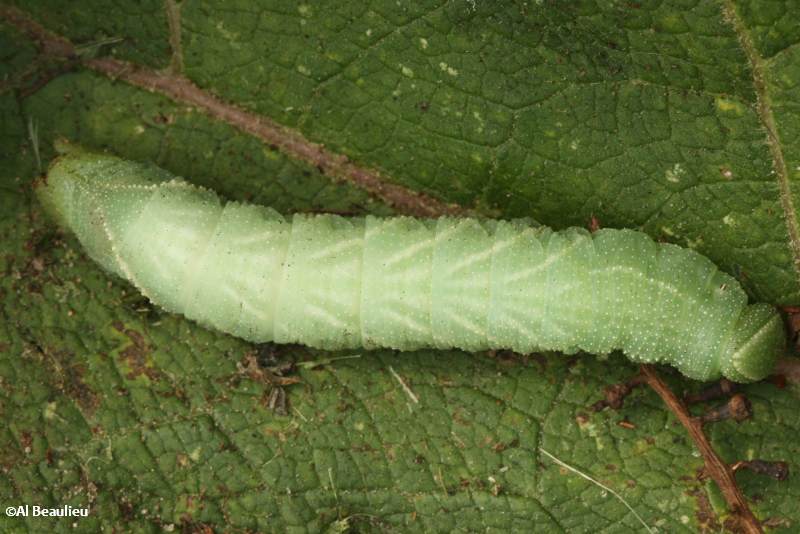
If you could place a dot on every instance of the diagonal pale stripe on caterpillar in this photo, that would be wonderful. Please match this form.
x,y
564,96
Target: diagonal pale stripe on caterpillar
x,y
333,282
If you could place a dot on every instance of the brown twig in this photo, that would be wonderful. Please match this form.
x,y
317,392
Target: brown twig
x,y
738,408
789,367
718,470
777,470
290,142
615,394
721,388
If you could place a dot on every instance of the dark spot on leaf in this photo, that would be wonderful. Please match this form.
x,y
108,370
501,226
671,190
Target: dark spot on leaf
x,y
26,440
706,518
135,355
459,418
190,526
67,373
778,470
499,447
126,509
776,522
778,380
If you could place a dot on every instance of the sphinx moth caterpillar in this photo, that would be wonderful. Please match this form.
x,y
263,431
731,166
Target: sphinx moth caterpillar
x,y
333,283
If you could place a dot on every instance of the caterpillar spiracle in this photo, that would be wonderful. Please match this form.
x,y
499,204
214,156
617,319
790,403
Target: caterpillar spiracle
x,y
405,283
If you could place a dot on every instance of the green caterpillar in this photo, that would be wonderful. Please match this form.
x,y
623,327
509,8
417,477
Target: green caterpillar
x,y
333,283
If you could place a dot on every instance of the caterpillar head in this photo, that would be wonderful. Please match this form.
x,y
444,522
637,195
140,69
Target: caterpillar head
x,y
81,186
758,339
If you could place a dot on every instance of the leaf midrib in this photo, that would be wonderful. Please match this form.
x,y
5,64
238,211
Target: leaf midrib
x,y
764,110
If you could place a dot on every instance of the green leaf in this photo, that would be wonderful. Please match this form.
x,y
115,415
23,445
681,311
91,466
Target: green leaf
x,y
680,118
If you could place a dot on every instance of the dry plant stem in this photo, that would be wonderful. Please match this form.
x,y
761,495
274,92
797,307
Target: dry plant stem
x,y
720,389
290,142
718,470
776,470
738,408
616,394
789,367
